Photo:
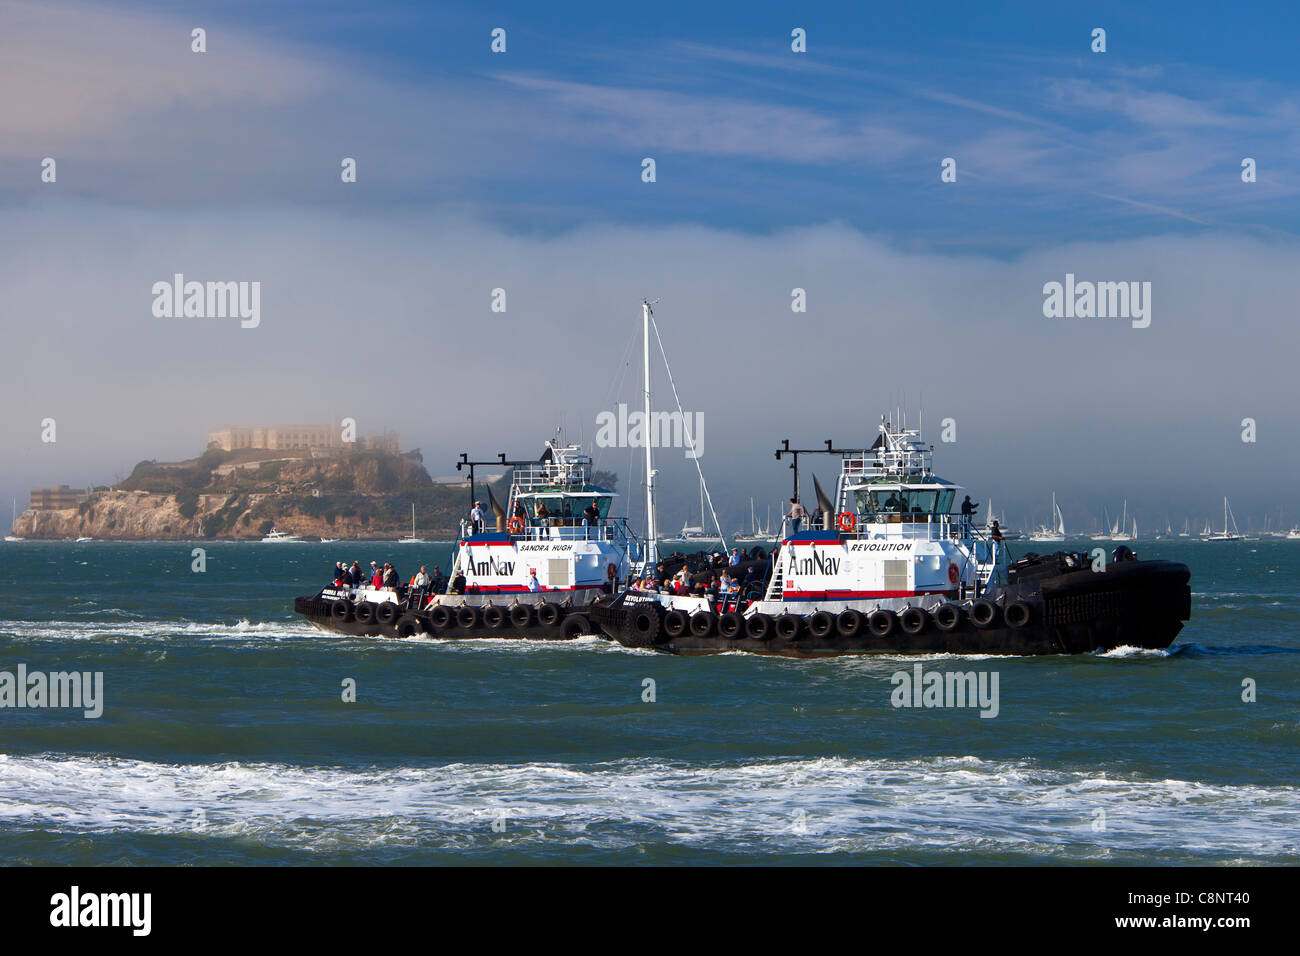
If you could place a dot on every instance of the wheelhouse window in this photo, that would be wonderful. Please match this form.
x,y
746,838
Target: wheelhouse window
x,y
894,500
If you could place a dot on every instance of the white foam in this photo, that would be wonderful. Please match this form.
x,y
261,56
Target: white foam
x,y
831,804
1128,650
151,630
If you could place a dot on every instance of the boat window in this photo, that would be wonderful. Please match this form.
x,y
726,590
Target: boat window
x,y
922,502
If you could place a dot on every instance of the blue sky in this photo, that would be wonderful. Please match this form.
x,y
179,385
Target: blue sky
x,y
1050,138
775,170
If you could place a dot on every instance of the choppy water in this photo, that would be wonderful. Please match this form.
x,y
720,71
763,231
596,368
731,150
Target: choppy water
x,y
224,738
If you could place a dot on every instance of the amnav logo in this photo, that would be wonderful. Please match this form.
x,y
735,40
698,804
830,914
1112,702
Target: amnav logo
x,y
816,563
493,568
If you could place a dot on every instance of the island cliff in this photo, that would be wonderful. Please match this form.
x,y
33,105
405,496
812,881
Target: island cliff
x,y
242,494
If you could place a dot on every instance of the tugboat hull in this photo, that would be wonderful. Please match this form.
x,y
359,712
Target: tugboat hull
x,y
1054,606
321,611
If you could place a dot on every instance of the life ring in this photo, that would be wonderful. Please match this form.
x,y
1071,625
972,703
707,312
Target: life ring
x,y
847,521
515,525
611,572
954,574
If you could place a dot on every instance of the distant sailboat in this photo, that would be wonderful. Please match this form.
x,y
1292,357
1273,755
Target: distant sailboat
x,y
1119,532
1103,535
14,521
755,534
1226,535
1007,534
1055,533
411,538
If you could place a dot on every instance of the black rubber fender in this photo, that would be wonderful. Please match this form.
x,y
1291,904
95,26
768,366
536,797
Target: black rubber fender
x,y
983,613
576,625
849,623
948,617
1018,614
882,622
821,624
703,623
644,626
676,623
914,620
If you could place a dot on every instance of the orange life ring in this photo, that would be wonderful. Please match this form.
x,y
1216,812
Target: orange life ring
x,y
953,573
611,572
515,525
847,521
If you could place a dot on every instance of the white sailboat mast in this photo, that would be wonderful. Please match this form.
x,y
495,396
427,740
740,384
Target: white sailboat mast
x,y
652,548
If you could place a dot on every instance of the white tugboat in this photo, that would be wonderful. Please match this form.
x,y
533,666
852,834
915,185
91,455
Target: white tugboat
x,y
532,577
895,570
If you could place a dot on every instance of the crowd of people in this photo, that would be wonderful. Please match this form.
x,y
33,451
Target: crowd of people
x,y
386,577
722,578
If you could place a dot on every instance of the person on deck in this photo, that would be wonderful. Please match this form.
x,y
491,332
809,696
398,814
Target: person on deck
x,y
476,517
533,583
543,514
796,514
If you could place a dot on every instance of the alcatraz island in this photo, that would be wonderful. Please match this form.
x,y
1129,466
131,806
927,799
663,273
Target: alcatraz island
x,y
298,479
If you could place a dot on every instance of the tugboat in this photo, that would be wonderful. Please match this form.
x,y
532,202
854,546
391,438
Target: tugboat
x,y
892,570
532,577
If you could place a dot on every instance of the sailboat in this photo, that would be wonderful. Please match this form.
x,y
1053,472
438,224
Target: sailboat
x,y
1118,532
1007,534
755,534
1226,535
695,533
13,537
1055,533
411,538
